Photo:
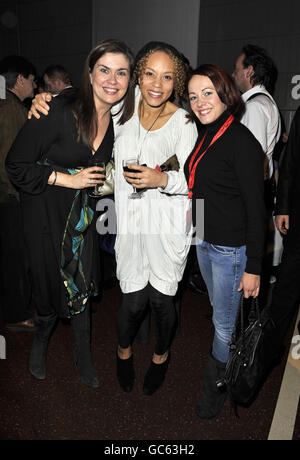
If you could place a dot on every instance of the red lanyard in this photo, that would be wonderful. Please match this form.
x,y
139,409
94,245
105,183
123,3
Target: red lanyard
x,y
192,168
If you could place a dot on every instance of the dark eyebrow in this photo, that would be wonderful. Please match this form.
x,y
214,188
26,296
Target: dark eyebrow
x,y
169,71
121,68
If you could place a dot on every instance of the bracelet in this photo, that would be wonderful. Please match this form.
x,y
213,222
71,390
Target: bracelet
x,y
54,182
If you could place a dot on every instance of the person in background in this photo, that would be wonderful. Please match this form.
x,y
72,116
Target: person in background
x,y
56,79
255,76
286,293
48,162
15,282
225,169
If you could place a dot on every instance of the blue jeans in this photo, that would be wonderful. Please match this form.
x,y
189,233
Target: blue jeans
x,y
222,268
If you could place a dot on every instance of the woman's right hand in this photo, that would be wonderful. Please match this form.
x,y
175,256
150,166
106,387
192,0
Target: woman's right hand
x,y
88,178
39,104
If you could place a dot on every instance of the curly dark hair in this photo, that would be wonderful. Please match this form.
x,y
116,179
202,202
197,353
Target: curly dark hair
x,y
179,65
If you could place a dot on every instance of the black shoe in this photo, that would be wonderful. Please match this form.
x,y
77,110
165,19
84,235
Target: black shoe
x,y
155,376
214,395
125,373
22,326
82,348
37,359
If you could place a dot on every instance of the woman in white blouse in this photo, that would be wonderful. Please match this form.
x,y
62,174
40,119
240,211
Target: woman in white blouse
x,y
153,239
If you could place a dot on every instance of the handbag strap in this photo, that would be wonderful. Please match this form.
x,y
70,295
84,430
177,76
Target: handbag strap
x,y
254,315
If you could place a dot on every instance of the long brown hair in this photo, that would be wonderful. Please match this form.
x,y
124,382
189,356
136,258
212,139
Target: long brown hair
x,y
85,110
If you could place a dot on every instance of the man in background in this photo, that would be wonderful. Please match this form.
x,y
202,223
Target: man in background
x,y
56,79
15,286
255,76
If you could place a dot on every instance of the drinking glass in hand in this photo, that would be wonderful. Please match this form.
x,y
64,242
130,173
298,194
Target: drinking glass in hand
x,y
132,161
95,192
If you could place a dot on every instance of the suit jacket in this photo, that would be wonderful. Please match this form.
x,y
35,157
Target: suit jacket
x,y
288,192
13,115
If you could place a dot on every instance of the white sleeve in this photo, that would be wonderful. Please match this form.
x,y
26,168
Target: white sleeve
x,y
187,137
256,120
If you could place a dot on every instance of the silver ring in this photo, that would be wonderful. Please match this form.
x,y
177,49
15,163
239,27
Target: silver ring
x,y
91,181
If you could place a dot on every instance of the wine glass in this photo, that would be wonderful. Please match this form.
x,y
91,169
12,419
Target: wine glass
x,y
132,161
95,192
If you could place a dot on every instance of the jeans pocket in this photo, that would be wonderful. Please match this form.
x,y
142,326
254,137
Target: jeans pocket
x,y
225,250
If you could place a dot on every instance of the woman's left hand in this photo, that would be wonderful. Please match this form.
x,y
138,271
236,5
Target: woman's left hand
x,y
250,284
146,177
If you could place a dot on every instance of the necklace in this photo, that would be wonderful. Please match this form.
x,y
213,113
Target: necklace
x,y
141,143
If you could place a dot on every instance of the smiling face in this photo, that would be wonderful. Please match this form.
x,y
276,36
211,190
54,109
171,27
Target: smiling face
x,y
204,99
157,80
110,78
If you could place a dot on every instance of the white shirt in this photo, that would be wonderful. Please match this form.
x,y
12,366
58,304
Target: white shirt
x,y
262,118
152,241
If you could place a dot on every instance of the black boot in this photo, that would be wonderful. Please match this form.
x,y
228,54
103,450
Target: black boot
x,y
81,326
214,396
37,359
155,376
125,373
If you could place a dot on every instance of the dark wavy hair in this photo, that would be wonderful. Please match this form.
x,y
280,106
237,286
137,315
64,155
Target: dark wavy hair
x,y
264,69
225,88
84,109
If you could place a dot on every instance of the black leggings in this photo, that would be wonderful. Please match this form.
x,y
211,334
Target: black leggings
x,y
132,313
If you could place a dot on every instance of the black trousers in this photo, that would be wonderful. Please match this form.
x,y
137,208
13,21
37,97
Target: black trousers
x,y
286,293
15,284
133,310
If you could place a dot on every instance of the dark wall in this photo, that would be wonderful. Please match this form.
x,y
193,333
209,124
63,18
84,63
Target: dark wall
x,y
226,25
48,32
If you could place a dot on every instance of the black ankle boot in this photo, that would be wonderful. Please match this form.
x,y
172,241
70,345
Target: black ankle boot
x,y
37,359
82,348
155,376
125,373
214,396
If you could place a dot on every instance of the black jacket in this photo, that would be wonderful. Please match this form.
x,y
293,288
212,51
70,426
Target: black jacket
x,y
288,191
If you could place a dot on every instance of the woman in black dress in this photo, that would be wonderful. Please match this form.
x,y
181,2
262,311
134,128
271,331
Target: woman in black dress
x,y
48,163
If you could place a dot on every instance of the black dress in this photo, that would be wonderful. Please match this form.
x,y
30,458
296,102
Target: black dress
x,y
40,145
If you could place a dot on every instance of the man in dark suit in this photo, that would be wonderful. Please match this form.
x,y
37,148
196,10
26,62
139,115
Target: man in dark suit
x,y
286,294
15,291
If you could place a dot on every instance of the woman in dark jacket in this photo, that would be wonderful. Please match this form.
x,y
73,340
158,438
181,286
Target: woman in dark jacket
x,y
225,170
48,163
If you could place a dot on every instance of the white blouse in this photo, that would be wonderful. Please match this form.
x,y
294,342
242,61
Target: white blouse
x,y
152,237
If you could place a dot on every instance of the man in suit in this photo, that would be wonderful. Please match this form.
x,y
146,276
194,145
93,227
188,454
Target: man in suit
x,y
15,287
286,293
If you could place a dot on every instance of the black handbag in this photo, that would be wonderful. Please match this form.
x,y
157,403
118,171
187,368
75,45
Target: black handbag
x,y
253,351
